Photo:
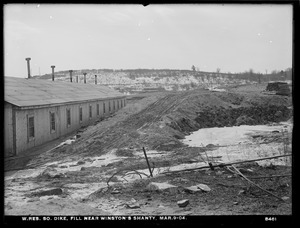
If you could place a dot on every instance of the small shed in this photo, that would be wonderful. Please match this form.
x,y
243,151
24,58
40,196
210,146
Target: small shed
x,y
37,111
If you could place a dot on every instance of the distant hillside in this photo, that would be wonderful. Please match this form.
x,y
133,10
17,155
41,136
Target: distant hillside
x,y
134,80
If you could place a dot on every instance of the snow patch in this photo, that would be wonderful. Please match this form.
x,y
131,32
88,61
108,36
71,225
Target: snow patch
x,y
236,144
226,136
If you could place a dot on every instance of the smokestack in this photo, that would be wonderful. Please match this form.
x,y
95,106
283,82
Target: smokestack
x,y
28,66
52,72
77,78
95,79
70,75
84,78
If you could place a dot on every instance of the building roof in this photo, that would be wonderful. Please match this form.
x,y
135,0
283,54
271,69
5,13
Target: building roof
x,y
25,92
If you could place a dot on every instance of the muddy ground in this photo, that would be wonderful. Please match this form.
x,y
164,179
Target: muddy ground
x,y
104,172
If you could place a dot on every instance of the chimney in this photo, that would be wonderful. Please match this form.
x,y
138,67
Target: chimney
x,y
52,72
95,79
77,78
84,78
28,66
70,75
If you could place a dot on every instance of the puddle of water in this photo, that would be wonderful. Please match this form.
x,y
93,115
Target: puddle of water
x,y
14,191
25,173
49,197
66,142
99,161
151,153
237,143
229,135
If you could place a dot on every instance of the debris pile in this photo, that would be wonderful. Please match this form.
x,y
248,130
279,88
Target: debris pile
x,y
281,88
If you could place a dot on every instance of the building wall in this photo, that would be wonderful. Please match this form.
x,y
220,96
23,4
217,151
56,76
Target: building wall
x,y
8,130
42,131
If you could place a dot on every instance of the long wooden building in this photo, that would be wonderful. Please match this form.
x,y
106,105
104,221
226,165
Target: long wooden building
x,y
37,111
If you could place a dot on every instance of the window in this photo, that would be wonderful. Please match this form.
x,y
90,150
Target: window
x,y
121,103
68,117
30,127
118,104
80,114
114,106
90,111
109,108
103,107
98,109
52,122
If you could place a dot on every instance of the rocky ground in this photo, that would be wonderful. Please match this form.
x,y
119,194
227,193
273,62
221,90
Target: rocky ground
x,y
104,171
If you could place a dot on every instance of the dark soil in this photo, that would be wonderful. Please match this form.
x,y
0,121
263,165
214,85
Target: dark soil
x,y
229,194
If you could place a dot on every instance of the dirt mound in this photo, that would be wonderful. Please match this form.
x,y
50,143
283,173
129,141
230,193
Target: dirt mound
x,y
171,116
228,109
243,115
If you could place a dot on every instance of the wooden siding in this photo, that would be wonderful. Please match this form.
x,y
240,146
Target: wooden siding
x,y
42,128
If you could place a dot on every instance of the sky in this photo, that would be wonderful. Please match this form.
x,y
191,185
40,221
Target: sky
x,y
234,38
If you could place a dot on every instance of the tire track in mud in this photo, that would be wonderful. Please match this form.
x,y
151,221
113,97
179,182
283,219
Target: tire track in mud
x,y
142,119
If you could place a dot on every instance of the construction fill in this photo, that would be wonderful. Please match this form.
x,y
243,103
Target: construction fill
x,y
196,152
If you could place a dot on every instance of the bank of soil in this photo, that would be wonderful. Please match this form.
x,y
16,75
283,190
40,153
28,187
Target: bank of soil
x,y
162,120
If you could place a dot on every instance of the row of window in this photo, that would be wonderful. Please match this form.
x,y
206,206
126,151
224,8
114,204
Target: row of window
x,y
30,119
119,104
